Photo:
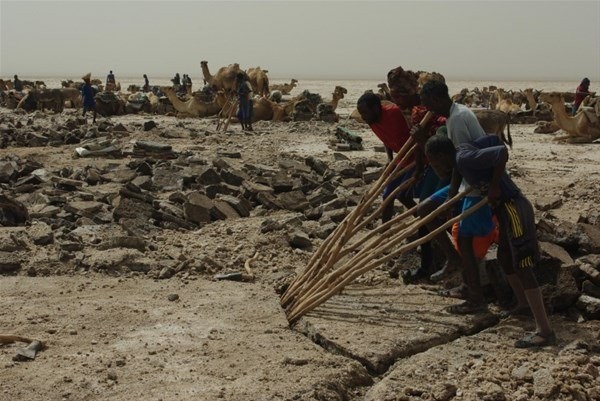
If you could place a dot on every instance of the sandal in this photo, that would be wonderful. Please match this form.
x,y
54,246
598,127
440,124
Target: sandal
x,y
459,292
536,340
466,308
443,272
413,275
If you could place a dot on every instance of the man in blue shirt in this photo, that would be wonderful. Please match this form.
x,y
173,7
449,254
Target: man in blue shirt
x,y
482,165
87,96
244,92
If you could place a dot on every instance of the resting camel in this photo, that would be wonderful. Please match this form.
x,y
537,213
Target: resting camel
x,y
262,108
192,107
337,95
531,99
224,79
259,81
505,102
285,89
579,128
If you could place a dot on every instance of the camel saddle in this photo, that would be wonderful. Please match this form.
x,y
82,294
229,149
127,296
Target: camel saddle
x,y
592,110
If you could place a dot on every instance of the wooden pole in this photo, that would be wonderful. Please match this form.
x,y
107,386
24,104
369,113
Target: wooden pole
x,y
327,293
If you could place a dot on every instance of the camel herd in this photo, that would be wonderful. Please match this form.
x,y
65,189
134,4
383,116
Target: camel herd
x,y
494,107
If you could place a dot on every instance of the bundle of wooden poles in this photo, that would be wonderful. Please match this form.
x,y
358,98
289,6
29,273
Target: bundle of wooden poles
x,y
226,113
345,254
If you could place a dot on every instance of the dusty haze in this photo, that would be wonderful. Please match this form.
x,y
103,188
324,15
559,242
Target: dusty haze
x,y
537,40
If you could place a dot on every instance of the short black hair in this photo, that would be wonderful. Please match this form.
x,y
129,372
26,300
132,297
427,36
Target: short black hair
x,y
240,75
440,145
369,99
435,89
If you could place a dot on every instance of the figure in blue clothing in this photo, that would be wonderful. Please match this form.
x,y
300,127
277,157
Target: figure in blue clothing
x,y
244,92
87,96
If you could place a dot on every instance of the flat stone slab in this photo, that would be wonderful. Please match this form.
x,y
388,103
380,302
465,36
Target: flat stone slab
x,y
378,325
487,366
127,339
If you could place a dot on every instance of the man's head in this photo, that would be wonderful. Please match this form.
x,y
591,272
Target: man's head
x,y
434,96
16,77
369,107
585,82
441,154
240,76
110,71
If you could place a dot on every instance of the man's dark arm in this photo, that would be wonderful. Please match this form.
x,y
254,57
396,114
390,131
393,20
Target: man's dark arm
x,y
494,189
454,183
390,154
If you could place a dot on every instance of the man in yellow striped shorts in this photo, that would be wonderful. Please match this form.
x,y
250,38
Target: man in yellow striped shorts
x,y
482,164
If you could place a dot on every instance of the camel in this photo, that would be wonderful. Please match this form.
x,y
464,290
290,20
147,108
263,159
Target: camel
x,y
40,99
191,107
546,127
110,104
384,91
424,77
285,88
113,87
580,128
507,106
338,94
519,98
494,122
531,99
73,96
259,81
505,103
263,109
133,88
224,79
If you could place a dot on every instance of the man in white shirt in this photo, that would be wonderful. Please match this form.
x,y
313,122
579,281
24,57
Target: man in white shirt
x,y
463,127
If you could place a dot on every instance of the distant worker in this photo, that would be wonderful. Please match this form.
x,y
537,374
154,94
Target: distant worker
x,y
582,91
87,96
146,87
176,81
18,84
111,84
110,78
244,91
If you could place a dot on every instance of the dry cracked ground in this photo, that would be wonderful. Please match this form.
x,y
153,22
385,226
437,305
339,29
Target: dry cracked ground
x,y
114,273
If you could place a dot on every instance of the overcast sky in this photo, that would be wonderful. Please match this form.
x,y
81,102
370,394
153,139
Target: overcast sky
x,y
518,40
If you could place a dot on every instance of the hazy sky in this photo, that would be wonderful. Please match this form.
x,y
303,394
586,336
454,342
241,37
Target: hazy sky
x,y
528,40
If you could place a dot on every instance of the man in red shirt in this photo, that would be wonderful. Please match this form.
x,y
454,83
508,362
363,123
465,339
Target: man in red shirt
x,y
390,126
582,91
